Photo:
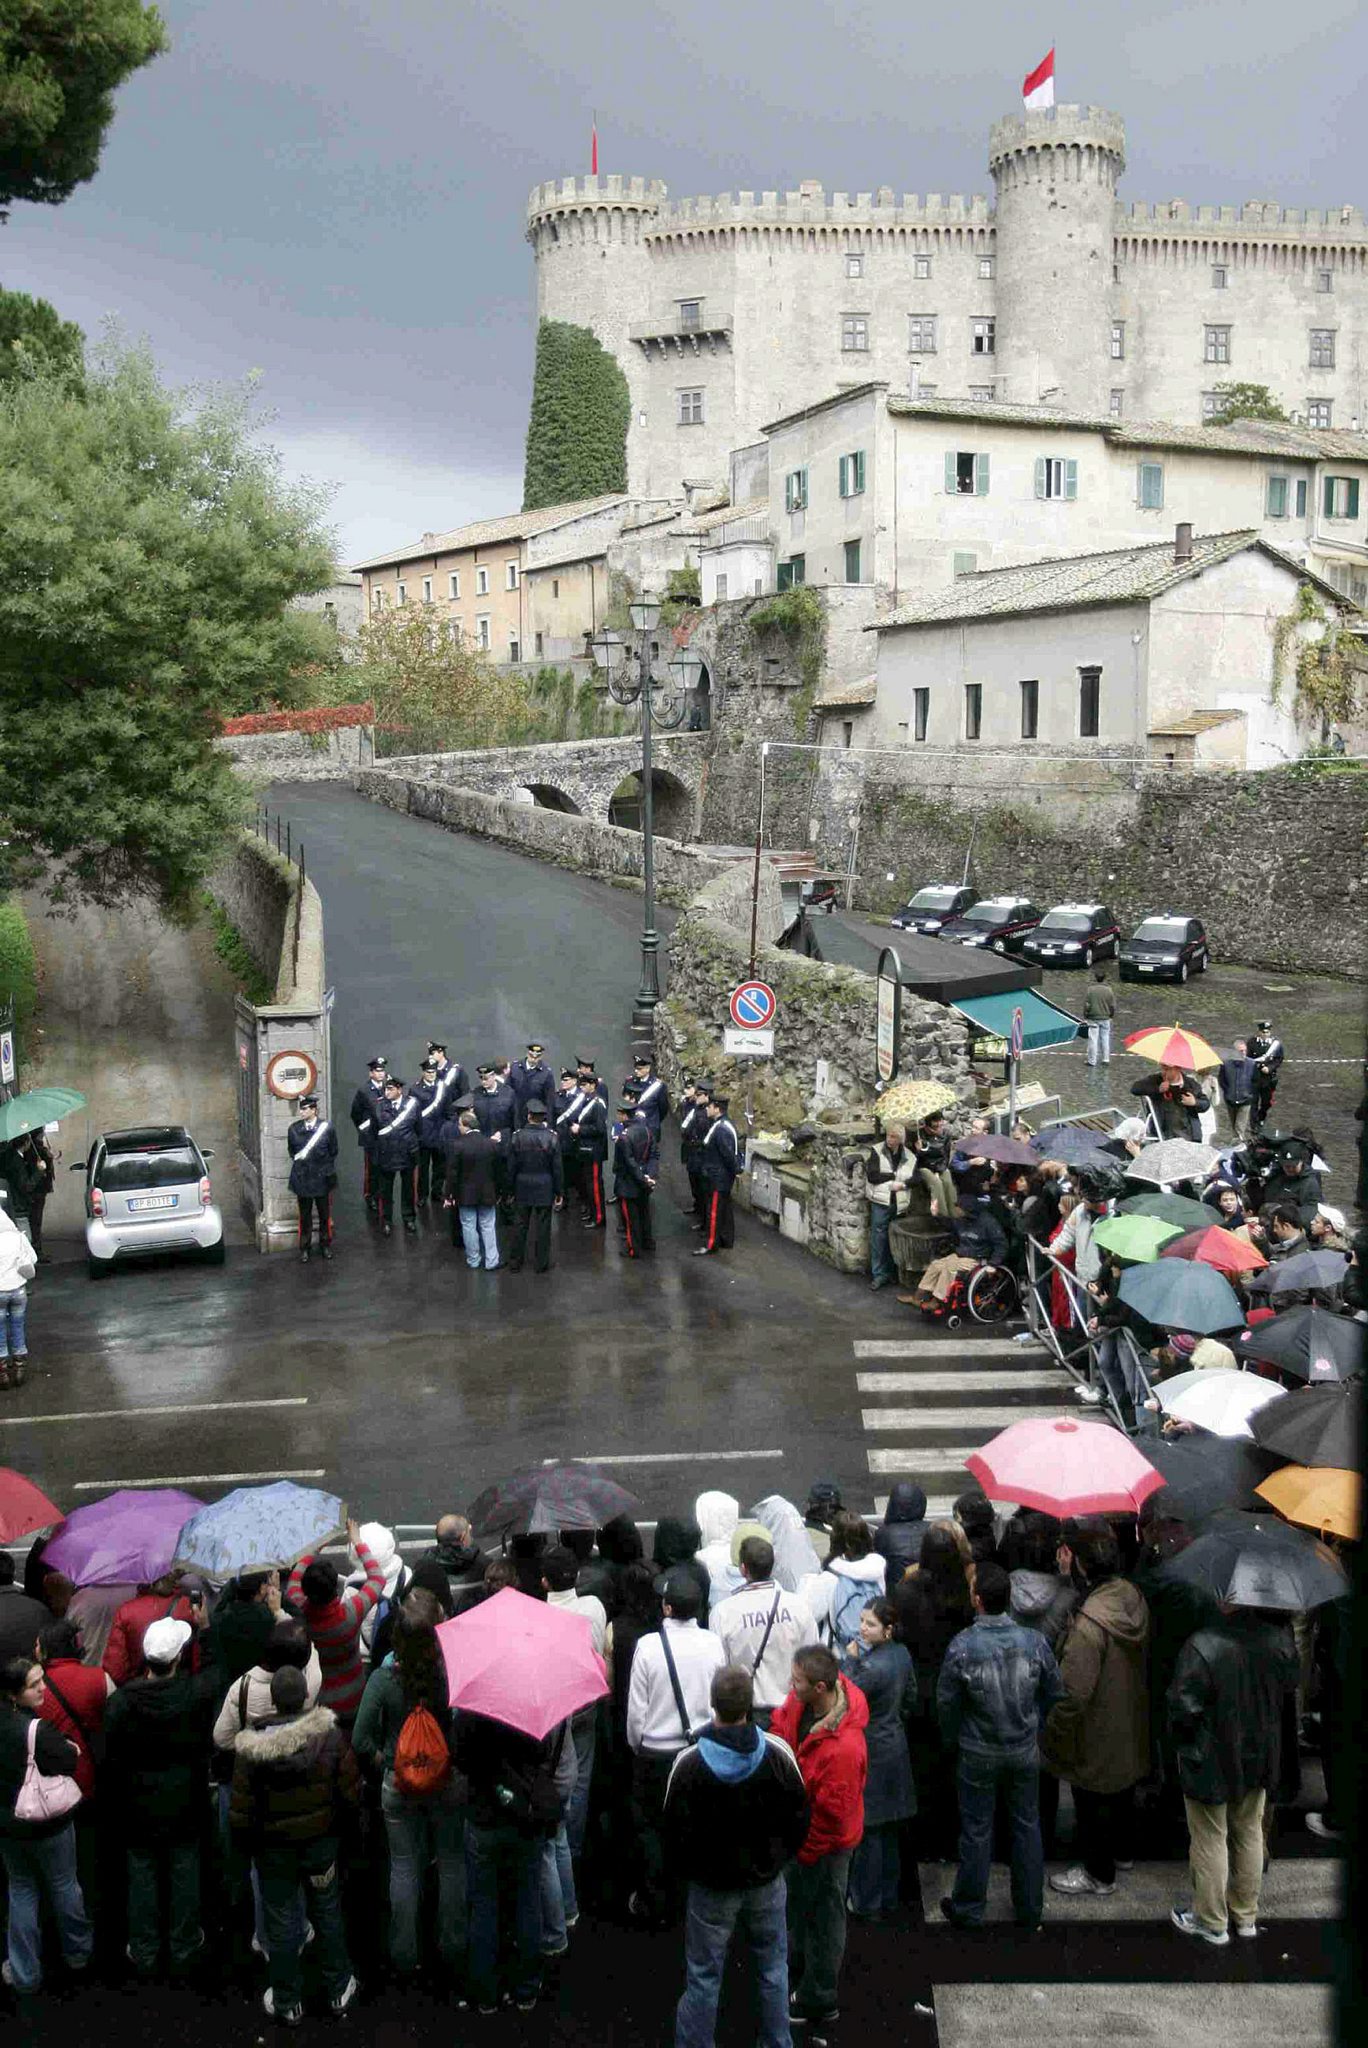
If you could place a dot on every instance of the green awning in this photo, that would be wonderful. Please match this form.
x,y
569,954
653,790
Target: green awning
x,y
1045,1023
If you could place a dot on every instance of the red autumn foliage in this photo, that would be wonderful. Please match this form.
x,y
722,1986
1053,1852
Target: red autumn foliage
x,y
328,718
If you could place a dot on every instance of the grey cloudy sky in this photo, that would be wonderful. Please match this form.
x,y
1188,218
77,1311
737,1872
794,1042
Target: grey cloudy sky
x,y
332,191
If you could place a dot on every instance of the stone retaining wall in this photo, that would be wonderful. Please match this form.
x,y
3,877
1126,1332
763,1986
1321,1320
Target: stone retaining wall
x,y
299,756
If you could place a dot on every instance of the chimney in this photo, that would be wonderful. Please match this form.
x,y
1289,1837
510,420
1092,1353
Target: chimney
x,y
1182,541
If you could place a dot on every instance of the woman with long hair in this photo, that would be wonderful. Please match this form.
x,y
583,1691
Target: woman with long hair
x,y
932,1605
882,1668
39,1855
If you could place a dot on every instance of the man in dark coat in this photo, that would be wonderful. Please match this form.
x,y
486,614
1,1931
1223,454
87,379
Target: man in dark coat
x,y
1293,1184
693,1118
364,1104
21,1616
633,1183
471,1190
719,1164
496,1111
396,1153
1235,1078
653,1101
460,1557
532,1080
590,1132
538,1180
898,1539
1268,1053
313,1175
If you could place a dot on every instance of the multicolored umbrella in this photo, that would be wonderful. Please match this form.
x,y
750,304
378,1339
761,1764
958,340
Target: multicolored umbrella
x,y
40,1106
540,1499
1172,1159
1221,1402
1257,1561
521,1662
1311,1342
1324,1499
23,1507
1174,1294
1169,1045
1133,1237
1065,1467
1179,1209
1212,1246
911,1100
131,1536
1317,1426
1205,1473
256,1527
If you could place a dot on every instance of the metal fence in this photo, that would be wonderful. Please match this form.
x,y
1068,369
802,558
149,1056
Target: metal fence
x,y
277,831
1070,1344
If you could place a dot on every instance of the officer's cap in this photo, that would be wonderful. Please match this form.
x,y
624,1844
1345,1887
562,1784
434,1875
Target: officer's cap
x,y
535,1045
630,1092
436,1045
393,1081
483,1067
582,1059
536,1112
308,1102
464,1102
642,1059
568,1074
427,1066
378,1061
721,1101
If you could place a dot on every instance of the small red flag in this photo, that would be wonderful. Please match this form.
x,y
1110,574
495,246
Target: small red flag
x,y
593,148
1037,88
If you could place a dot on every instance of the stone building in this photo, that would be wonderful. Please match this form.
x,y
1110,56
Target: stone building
x,y
339,602
727,312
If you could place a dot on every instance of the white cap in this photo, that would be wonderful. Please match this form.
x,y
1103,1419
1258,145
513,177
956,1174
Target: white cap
x,y
165,1639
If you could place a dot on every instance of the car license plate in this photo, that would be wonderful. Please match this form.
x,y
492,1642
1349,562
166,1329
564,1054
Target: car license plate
x,y
153,1202
1049,951
1147,970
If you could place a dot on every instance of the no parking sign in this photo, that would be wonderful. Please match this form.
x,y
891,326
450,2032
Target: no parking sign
x,y
752,1006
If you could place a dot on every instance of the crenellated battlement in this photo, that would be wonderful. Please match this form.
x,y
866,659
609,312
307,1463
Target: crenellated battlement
x,y
613,190
1066,127
1258,214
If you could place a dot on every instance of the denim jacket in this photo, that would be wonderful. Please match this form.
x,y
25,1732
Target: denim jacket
x,y
997,1684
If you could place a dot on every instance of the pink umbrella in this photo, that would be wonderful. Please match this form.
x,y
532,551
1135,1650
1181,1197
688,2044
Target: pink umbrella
x,y
521,1662
1064,1467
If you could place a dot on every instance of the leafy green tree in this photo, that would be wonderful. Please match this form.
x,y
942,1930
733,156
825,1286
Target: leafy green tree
x,y
34,337
577,434
148,552
429,689
1245,402
60,64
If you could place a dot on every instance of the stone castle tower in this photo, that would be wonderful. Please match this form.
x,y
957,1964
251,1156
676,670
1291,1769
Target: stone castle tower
x,y
726,313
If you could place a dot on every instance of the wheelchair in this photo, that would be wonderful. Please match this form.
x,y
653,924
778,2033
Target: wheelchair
x,y
987,1295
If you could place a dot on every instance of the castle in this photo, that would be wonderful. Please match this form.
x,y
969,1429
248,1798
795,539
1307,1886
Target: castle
x,y
727,313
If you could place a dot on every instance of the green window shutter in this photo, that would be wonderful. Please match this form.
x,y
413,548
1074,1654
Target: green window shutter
x,y
1040,476
845,476
1301,497
1071,478
980,476
860,471
951,474
1328,497
1353,498
802,490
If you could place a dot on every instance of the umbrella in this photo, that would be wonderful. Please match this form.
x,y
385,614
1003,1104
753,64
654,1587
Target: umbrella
x,y
1256,1561
1133,1237
914,1099
255,1527
1204,1473
23,1508
1177,1295
1071,1143
1319,1426
1064,1467
1171,1046
1308,1272
1323,1499
540,1499
1179,1209
521,1662
1006,1151
1312,1343
1171,1159
1212,1246
1219,1401
40,1106
128,1536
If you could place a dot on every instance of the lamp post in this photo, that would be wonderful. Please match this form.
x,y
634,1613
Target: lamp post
x,y
614,653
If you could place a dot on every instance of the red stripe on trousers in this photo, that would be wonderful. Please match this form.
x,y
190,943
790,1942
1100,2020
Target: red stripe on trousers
x,y
712,1223
597,1173
627,1226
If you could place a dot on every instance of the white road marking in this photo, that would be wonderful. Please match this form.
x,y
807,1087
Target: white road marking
x,y
132,1414
966,1346
669,1458
197,1479
954,1418
902,1463
989,1382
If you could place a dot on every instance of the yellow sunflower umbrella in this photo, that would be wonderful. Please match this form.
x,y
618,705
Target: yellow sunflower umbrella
x,y
1169,1045
911,1100
1320,1498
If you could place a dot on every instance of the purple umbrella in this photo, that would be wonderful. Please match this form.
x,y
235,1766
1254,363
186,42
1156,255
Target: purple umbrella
x,y
128,1537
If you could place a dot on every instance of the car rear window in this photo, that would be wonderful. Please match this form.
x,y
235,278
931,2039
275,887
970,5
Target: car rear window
x,y
124,1171
997,912
933,899
1065,921
1173,929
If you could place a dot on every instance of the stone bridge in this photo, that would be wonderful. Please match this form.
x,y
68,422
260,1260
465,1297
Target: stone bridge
x,y
598,779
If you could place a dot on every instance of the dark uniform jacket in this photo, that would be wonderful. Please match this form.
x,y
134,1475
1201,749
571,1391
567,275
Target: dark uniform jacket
x,y
292,1780
720,1159
440,1108
654,1104
593,1129
631,1154
565,1110
496,1111
469,1183
692,1117
396,1135
362,1113
313,1157
531,1084
537,1169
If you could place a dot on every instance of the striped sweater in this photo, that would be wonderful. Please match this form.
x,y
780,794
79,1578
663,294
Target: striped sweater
x,y
336,1632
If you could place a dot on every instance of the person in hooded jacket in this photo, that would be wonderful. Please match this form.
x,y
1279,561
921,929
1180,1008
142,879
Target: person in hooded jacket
x,y
853,1573
1097,1736
717,1515
882,1669
823,1501
932,1606
677,1541
1040,1598
823,1721
898,1538
619,1545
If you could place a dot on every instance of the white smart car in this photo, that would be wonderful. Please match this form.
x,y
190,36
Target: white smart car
x,y
147,1191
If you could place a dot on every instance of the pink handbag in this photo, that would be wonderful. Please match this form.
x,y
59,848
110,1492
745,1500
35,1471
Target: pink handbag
x,y
41,1798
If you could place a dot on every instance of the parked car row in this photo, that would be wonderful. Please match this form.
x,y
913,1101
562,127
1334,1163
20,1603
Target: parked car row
x,y
1165,946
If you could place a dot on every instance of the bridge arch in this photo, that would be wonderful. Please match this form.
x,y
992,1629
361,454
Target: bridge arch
x,y
546,797
672,804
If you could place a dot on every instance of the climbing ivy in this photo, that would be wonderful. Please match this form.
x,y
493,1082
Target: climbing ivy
x,y
581,408
1327,682
800,616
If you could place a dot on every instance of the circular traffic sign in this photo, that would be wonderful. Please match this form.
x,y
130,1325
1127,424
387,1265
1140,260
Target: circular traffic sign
x,y
1018,1034
753,1005
290,1075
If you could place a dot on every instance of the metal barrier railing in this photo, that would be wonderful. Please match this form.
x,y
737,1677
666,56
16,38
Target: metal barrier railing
x,y
293,850
1072,1348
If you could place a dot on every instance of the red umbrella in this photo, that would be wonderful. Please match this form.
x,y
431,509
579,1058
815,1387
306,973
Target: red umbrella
x,y
22,1507
1213,1246
1065,1467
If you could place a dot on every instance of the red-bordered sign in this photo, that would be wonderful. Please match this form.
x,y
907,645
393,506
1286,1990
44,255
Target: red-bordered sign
x,y
290,1075
753,1005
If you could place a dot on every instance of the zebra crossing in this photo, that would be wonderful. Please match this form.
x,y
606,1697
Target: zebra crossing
x,y
927,1402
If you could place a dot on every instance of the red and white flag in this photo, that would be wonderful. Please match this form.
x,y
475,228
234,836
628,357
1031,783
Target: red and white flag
x,y
593,148
1037,88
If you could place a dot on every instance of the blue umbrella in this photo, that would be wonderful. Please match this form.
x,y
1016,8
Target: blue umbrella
x,y
255,1527
1179,1294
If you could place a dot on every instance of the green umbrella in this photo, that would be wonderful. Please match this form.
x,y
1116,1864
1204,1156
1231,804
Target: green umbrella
x,y
40,1106
1179,1209
1135,1237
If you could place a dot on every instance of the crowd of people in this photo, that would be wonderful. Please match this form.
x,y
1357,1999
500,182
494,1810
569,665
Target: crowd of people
x,y
798,1710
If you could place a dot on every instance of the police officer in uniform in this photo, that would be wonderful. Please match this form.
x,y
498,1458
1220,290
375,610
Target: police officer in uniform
x,y
693,1118
538,1181
496,1111
363,1107
450,1073
719,1165
1267,1053
570,1100
653,1100
313,1175
590,1132
396,1152
532,1081
633,1182
588,1077
424,1092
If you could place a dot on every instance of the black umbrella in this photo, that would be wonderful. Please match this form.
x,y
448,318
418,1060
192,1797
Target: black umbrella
x,y
1312,1343
1307,1272
540,1499
1205,1473
1315,1426
1071,1143
1259,1561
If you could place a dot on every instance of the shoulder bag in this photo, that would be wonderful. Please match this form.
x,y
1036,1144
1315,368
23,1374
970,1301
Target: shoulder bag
x,y
42,1798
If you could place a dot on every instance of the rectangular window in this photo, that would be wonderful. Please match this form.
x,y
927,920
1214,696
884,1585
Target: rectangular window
x,y
510,575
482,583
690,314
852,560
1340,497
538,646
454,584
983,394
377,600
482,630
852,474
796,491
791,573
921,711
1056,477
1322,348
1089,702
983,337
455,631
854,332
921,333
1213,404
1149,486
964,564
555,586
966,476
854,263
847,732
691,408
1318,411
1118,341
401,593
1030,710
427,590
973,710
721,588
1218,277
985,266
1301,497
1275,500
921,267
1216,344
514,650
1116,403
1325,280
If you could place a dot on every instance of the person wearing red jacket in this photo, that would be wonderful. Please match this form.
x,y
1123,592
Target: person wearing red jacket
x,y
163,1600
334,1622
823,1721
